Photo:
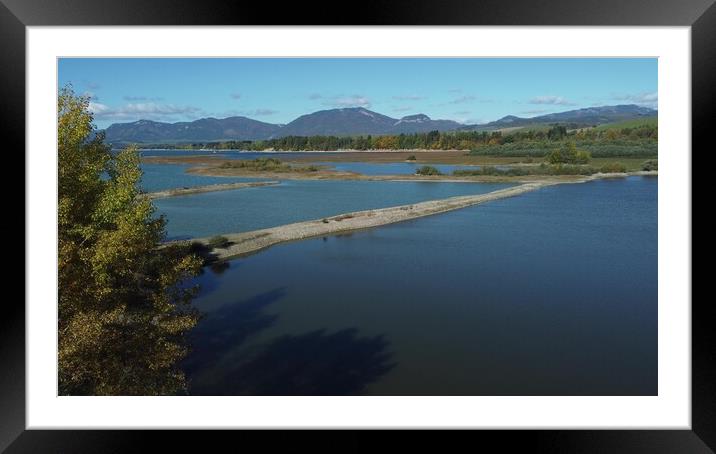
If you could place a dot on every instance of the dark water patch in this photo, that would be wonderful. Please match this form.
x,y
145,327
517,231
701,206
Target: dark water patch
x,y
550,293
313,363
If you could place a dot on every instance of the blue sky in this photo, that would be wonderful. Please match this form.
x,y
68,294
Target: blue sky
x,y
275,90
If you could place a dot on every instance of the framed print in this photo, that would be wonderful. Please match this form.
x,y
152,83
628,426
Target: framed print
x,y
411,217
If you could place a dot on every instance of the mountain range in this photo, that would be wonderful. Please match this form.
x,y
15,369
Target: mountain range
x,y
346,122
587,116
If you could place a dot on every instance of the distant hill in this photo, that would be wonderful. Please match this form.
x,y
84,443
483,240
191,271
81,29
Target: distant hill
x,y
339,122
591,116
422,123
631,123
203,130
347,122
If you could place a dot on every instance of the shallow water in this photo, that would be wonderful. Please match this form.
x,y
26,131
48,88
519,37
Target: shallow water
x,y
211,213
553,292
158,177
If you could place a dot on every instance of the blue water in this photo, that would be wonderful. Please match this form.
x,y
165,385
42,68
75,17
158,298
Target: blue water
x,y
365,168
157,177
212,213
553,292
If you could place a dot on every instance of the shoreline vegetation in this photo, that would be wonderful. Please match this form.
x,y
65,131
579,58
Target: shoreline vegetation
x,y
631,138
274,165
231,245
504,170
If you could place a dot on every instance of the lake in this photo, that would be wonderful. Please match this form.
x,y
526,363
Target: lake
x,y
158,177
211,213
553,292
365,168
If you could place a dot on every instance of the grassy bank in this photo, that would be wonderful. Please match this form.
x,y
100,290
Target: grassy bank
x,y
267,165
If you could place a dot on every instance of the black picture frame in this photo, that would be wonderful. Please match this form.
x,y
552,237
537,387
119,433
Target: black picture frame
x,y
16,15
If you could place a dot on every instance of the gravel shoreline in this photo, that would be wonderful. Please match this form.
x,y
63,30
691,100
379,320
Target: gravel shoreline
x,y
208,188
245,243
249,242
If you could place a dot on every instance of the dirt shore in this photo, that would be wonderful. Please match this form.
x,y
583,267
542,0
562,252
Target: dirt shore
x,y
208,188
211,166
326,174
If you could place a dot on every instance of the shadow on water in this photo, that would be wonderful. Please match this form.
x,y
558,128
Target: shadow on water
x,y
207,253
219,267
311,364
218,332
314,363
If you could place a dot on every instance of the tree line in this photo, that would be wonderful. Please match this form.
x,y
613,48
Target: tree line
x,y
637,140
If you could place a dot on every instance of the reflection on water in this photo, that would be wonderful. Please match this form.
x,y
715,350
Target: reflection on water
x,y
550,293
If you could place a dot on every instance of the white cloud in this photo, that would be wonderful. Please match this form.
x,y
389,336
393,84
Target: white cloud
x,y
348,101
97,108
649,98
554,100
139,111
341,101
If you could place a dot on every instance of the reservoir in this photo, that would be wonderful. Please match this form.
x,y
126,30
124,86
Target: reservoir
x,y
160,177
553,292
212,213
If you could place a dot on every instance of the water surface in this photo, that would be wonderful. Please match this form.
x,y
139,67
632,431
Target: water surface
x,y
365,168
211,213
553,292
158,177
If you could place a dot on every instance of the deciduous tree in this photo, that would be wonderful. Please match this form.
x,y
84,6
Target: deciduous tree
x,y
124,305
